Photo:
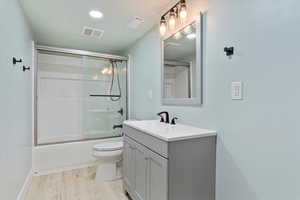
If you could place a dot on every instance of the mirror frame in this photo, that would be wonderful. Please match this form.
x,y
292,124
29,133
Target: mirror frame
x,y
198,100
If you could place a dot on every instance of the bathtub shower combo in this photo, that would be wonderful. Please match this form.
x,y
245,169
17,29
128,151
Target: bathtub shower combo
x,y
81,96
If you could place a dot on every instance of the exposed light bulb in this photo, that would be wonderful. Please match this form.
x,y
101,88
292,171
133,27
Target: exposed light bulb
x,y
183,14
163,29
172,20
163,26
183,11
175,15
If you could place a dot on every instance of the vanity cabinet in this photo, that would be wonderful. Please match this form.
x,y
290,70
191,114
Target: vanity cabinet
x,y
157,169
145,172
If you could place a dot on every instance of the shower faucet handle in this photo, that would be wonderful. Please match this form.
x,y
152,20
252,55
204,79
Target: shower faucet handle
x,y
118,126
121,111
25,68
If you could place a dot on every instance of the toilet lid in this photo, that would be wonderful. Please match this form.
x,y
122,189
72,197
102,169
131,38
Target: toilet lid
x,y
108,146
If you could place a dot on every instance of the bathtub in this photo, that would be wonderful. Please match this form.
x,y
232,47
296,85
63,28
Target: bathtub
x,y
60,157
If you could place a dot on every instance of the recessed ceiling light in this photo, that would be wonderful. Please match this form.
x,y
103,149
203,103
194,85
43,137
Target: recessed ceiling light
x,y
96,14
191,36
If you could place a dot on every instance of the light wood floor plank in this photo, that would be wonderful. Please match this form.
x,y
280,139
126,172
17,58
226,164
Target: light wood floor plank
x,y
76,184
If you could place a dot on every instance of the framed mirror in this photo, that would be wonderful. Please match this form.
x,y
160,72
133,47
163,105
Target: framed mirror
x,y
182,66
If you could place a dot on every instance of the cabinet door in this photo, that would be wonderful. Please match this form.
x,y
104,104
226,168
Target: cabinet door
x,y
128,164
158,177
141,161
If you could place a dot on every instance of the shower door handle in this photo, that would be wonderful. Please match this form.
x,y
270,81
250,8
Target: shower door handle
x,y
118,126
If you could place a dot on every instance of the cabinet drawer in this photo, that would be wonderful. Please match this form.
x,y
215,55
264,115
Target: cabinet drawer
x,y
155,144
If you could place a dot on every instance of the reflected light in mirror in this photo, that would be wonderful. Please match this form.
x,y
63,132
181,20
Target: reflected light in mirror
x,y
95,77
177,36
106,71
187,30
191,36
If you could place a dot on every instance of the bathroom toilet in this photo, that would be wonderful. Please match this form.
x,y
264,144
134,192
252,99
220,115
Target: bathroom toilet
x,y
109,154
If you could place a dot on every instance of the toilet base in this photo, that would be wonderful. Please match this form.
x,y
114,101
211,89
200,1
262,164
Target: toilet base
x,y
108,172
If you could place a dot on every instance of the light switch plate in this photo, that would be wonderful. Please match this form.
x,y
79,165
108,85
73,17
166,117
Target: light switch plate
x,y
236,90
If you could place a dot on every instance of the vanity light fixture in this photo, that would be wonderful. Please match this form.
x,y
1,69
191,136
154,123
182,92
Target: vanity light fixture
x,y
172,19
96,14
176,14
182,10
163,25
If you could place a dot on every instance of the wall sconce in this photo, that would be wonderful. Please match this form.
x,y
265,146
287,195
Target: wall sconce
x,y
15,61
178,11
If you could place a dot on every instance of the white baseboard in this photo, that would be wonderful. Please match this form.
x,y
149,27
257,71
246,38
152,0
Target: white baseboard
x,y
25,187
46,172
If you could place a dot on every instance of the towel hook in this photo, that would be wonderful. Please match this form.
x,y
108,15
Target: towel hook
x,y
15,61
25,68
229,51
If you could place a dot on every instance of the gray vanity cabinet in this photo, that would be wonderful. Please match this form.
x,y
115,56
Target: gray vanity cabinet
x,y
140,179
145,172
128,164
158,176
155,169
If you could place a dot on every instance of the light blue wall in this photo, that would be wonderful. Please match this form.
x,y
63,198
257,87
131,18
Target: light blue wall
x,y
259,141
15,100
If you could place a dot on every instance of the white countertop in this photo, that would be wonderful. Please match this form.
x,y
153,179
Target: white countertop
x,y
168,132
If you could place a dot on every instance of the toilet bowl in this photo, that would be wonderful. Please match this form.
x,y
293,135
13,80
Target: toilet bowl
x,y
109,155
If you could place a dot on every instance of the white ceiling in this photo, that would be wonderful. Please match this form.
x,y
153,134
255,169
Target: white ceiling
x,y
60,22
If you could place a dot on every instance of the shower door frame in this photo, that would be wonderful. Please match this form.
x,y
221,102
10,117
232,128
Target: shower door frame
x,y
72,52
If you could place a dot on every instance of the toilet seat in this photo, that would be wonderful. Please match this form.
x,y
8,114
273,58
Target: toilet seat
x,y
108,146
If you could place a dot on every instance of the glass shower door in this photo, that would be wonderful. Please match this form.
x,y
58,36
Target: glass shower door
x,y
74,97
104,107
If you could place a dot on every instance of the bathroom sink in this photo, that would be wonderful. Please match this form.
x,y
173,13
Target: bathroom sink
x,y
168,132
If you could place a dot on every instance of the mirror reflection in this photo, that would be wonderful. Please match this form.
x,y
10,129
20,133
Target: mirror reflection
x,y
180,64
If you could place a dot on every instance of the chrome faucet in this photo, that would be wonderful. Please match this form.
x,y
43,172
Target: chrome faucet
x,y
162,119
